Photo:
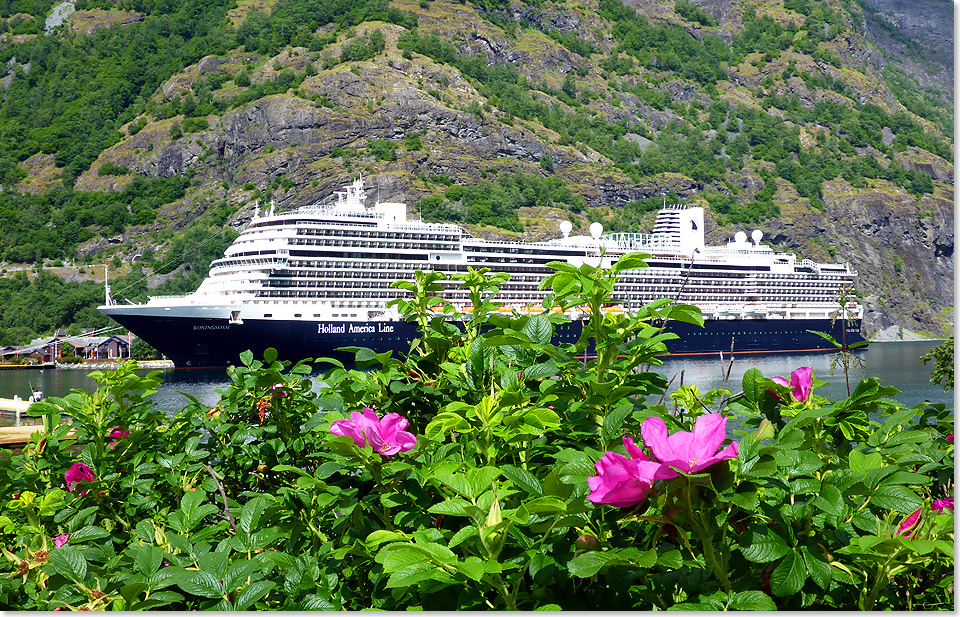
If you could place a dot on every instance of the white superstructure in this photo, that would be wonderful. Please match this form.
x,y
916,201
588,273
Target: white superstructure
x,y
337,262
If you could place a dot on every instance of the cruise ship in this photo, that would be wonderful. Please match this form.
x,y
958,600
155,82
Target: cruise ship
x,y
310,281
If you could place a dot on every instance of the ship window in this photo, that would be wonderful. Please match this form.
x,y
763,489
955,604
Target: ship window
x,y
297,315
268,314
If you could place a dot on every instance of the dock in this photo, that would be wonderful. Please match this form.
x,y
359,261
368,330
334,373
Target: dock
x,y
20,435
19,407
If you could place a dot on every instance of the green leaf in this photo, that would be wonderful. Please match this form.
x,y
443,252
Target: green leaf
x,y
443,423
630,261
89,532
613,422
395,557
544,505
799,462
862,463
313,602
818,568
751,601
671,559
472,569
481,479
754,385
761,545
463,534
896,497
415,573
131,592
456,482
68,561
252,593
522,478
789,575
453,507
380,536
586,565
215,563
148,560
203,584
238,572
538,329
830,500
251,512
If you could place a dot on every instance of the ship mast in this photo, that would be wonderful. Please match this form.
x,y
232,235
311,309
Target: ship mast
x,y
106,284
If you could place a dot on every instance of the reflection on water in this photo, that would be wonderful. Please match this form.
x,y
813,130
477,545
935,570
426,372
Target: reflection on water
x,y
896,364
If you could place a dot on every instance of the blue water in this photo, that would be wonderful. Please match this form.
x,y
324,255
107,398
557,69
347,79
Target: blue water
x,y
896,364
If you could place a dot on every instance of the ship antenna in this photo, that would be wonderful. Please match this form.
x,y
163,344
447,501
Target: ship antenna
x,y
106,284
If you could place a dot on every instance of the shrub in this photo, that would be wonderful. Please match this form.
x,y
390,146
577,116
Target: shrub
x,y
485,468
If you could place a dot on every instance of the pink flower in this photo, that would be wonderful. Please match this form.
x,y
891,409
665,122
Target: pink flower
x,y
61,540
386,436
687,451
950,437
277,390
78,473
118,435
939,505
620,481
909,525
801,380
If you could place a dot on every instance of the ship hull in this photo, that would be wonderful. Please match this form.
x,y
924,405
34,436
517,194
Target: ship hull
x,y
202,342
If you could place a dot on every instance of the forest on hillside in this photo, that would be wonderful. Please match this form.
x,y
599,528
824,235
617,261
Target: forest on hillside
x,y
69,95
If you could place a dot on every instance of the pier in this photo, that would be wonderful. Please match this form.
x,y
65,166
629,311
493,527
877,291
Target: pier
x,y
16,406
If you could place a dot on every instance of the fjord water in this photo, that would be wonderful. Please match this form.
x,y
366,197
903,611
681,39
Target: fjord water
x,y
896,364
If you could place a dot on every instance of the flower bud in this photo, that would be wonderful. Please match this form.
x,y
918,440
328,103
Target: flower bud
x,y
587,542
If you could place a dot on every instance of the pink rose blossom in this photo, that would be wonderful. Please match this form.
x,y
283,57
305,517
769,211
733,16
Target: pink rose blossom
x,y
950,437
801,380
939,505
60,541
620,481
118,435
386,436
909,525
78,473
688,452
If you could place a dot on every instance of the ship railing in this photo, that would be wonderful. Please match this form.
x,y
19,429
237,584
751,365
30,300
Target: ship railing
x,y
339,211
169,297
521,243
426,226
627,241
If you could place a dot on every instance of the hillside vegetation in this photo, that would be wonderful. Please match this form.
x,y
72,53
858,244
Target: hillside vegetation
x,y
154,139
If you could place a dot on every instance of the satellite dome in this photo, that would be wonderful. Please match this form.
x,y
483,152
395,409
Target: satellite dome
x,y
595,230
757,235
566,227
740,237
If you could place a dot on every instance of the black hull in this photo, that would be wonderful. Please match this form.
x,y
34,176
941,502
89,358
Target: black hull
x,y
208,343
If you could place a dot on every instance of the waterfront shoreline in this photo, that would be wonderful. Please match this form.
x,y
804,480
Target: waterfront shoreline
x,y
109,366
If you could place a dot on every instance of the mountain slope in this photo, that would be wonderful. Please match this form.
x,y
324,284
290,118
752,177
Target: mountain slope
x,y
511,117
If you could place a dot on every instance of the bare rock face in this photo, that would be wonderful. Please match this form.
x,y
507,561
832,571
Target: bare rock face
x,y
901,247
